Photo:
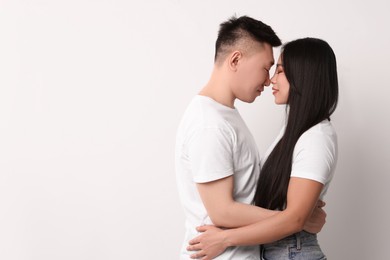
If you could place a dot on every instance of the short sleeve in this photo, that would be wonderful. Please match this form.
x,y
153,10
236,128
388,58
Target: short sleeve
x,y
315,156
210,153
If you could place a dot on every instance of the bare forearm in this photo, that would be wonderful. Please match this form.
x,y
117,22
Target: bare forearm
x,y
223,210
266,231
301,199
238,215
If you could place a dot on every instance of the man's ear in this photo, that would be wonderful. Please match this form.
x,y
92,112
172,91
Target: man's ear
x,y
234,60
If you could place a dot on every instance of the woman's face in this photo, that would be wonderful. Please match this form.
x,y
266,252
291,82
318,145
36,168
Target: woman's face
x,y
280,84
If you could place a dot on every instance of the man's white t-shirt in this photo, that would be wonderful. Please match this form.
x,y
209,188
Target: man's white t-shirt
x,y
315,154
213,142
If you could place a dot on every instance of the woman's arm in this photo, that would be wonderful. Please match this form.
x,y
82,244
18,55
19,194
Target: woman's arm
x,y
302,197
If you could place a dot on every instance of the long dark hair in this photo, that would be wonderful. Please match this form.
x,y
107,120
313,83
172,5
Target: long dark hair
x,y
310,68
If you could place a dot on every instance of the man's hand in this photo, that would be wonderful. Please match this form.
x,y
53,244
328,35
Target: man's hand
x,y
317,219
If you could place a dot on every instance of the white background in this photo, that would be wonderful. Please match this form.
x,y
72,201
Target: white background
x,y
91,93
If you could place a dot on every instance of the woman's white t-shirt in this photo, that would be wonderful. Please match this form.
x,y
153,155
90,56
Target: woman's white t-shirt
x,y
315,154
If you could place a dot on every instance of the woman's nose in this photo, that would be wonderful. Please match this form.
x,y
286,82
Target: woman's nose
x,y
273,79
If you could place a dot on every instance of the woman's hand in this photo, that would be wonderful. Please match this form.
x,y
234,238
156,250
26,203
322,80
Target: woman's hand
x,y
317,219
211,243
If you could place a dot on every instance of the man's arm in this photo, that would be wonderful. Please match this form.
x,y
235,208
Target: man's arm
x,y
217,197
207,147
302,197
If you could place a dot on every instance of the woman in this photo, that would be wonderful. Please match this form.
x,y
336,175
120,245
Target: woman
x,y
300,166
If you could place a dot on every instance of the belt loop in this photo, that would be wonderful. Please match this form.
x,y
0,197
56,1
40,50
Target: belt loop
x,y
298,237
261,252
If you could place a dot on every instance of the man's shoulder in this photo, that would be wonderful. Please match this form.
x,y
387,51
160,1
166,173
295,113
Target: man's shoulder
x,y
203,113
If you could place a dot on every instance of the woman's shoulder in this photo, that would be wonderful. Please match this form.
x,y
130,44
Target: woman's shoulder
x,y
322,135
324,128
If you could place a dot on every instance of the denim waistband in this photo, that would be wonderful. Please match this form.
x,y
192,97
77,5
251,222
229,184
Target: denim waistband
x,y
297,238
302,245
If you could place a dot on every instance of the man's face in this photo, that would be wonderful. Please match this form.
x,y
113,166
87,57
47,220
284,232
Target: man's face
x,y
253,74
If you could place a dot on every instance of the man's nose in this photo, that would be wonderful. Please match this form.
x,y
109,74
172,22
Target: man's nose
x,y
267,82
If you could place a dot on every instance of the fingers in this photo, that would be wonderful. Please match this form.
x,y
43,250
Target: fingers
x,y
323,215
318,216
320,204
194,241
196,247
319,213
198,255
322,211
203,228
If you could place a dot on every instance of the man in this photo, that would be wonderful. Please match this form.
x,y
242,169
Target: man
x,y
217,161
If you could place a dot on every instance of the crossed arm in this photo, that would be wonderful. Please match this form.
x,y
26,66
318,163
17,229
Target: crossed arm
x,y
217,196
269,226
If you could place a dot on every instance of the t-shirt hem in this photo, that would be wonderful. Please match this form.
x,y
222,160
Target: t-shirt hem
x,y
214,177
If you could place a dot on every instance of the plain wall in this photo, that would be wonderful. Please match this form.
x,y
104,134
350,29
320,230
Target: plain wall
x,y
91,93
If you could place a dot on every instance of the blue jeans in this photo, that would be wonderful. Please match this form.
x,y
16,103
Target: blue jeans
x,y
300,246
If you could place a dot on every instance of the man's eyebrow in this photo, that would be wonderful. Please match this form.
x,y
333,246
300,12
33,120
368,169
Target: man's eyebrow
x,y
279,64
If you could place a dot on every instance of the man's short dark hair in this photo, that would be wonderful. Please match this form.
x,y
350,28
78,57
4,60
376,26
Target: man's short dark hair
x,y
244,27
